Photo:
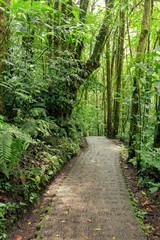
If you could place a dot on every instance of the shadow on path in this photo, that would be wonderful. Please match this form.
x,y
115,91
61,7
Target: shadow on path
x,y
92,202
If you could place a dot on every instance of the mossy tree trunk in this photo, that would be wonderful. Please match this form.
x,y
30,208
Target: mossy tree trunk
x,y
4,32
84,69
119,69
157,127
135,131
56,24
109,90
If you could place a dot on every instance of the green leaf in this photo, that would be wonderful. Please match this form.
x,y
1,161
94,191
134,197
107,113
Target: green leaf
x,y
153,189
6,4
4,11
41,211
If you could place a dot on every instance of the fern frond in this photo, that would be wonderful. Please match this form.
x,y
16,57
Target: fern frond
x,y
5,146
30,127
36,126
5,151
17,133
37,111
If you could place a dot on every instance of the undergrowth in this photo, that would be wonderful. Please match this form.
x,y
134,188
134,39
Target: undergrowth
x,y
31,154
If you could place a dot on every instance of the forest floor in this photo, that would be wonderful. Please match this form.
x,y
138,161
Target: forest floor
x,y
92,202
147,205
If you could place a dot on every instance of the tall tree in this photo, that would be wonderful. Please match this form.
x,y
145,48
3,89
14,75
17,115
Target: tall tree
x,y
4,31
136,108
119,69
82,70
157,127
109,90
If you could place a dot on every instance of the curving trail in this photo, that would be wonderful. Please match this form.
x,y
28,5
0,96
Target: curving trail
x,y
92,202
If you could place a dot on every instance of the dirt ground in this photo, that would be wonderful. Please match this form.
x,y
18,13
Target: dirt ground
x,y
88,201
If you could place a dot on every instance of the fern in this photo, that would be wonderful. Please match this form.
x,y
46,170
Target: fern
x,y
5,152
36,127
16,132
12,140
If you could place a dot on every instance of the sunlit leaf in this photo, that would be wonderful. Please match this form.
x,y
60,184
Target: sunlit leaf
x,y
83,235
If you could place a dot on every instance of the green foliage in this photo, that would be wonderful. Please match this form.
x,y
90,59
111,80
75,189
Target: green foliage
x,y
150,159
12,142
35,166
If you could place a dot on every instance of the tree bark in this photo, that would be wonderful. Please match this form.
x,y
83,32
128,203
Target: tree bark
x,y
109,91
119,69
98,129
134,144
4,31
84,69
82,17
157,127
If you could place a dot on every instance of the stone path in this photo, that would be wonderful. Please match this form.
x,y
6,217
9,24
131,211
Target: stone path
x,y
92,202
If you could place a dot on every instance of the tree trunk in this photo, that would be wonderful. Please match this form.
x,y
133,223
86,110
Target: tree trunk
x,y
104,103
56,37
98,130
4,31
157,127
134,143
84,69
109,90
119,69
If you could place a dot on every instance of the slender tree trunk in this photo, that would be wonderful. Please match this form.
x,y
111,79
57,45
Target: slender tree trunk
x,y
157,127
98,129
86,96
134,142
56,37
104,103
119,69
82,17
109,90
4,32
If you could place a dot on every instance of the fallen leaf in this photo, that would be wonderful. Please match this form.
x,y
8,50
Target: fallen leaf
x,y
145,203
62,221
92,181
29,223
66,212
84,236
114,237
41,211
66,205
46,209
97,229
57,235
149,209
18,238
34,211
90,221
41,206
143,192
94,235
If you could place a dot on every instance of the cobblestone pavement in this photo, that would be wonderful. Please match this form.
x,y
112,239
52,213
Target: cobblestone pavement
x,y
92,202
